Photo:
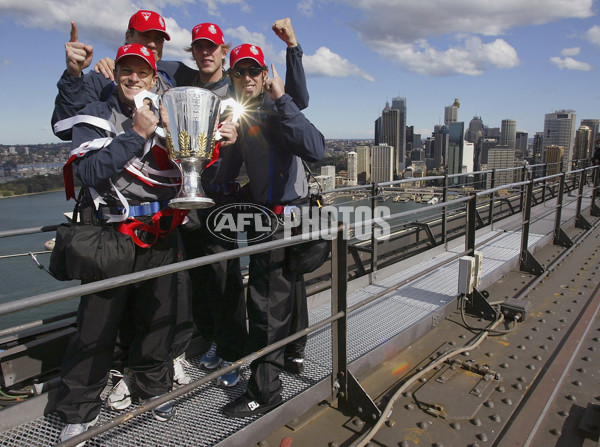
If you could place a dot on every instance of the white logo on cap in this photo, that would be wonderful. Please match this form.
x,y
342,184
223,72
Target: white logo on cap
x,y
162,22
146,15
145,51
253,50
212,29
126,48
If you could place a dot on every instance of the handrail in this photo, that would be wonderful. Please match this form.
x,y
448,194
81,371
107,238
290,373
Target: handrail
x,y
338,293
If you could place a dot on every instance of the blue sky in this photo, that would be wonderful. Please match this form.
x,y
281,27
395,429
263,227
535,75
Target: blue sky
x,y
517,59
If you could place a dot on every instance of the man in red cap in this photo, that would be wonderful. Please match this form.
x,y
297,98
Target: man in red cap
x,y
76,90
128,180
275,139
218,303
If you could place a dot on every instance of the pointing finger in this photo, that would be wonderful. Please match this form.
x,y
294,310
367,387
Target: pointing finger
x,y
73,32
274,71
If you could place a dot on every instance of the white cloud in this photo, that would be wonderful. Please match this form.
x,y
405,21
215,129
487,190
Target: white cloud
x,y
571,51
472,58
106,25
410,20
305,8
326,63
402,30
569,63
5,62
593,35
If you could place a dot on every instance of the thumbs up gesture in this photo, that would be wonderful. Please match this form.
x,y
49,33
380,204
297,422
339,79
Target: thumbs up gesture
x,y
77,54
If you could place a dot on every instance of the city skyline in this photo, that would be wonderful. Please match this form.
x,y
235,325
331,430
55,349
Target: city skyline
x,y
504,59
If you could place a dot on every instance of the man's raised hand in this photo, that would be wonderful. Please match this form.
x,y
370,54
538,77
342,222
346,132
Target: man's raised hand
x,y
77,54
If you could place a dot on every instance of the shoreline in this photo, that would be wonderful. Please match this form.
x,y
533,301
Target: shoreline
x,y
32,193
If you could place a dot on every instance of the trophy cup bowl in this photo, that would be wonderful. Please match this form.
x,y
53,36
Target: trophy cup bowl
x,y
191,122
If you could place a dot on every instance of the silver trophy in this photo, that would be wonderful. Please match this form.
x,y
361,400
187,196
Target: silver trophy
x,y
191,125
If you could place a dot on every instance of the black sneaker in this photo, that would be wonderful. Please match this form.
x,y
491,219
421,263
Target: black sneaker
x,y
293,364
245,406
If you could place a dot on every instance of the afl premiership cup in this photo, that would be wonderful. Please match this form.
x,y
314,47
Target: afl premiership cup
x,y
192,120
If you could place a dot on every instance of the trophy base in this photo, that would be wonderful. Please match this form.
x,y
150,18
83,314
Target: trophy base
x,y
191,203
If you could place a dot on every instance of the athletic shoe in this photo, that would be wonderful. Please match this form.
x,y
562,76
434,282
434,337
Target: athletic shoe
x,y
245,406
163,412
71,430
180,377
119,397
294,365
229,379
209,359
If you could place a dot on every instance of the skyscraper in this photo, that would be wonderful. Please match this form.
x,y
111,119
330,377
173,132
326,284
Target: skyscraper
x,y
352,168
583,144
363,163
559,130
508,133
594,126
501,157
553,156
451,113
455,149
440,147
391,130
475,131
382,157
521,145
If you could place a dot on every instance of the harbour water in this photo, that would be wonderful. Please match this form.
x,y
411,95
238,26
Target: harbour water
x,y
20,275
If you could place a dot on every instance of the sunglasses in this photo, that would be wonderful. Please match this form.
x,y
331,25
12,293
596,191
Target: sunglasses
x,y
241,72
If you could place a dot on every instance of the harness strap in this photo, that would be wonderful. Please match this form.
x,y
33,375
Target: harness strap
x,y
132,226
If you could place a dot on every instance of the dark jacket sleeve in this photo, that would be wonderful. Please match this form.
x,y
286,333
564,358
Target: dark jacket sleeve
x,y
177,73
298,133
74,93
295,79
96,167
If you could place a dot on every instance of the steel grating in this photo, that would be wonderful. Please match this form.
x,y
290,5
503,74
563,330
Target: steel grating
x,y
199,421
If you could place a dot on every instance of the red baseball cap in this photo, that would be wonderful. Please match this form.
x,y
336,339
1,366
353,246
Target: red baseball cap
x,y
208,31
246,51
135,49
144,20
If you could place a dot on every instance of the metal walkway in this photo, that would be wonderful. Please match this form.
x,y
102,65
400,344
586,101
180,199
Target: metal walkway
x,y
406,313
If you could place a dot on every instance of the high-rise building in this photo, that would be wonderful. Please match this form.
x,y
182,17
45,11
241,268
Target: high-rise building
x,y
468,156
594,126
559,130
391,130
352,168
521,145
583,144
382,158
455,149
508,133
451,113
483,152
475,131
399,103
328,170
538,147
363,164
553,156
501,157
327,182
440,147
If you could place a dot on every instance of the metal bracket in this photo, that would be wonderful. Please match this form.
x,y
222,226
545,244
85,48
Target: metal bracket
x,y
477,305
531,265
562,239
359,402
583,223
595,211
